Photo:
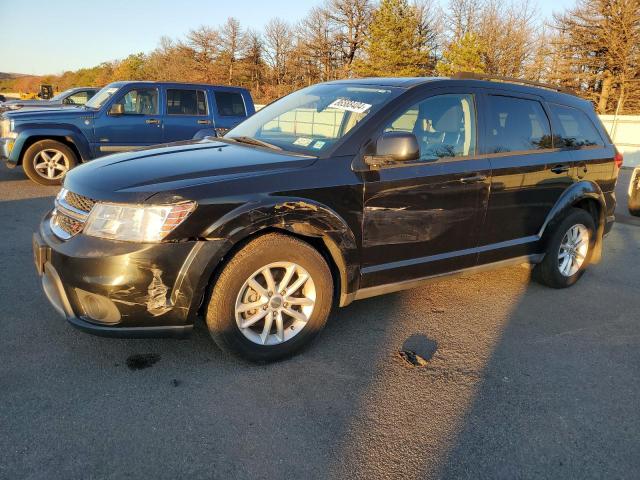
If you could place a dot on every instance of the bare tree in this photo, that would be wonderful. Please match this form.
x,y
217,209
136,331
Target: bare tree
x,y
351,19
598,50
279,44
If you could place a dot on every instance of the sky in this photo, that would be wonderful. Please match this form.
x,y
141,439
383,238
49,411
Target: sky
x,y
55,36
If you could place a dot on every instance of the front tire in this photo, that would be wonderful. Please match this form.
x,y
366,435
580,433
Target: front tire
x,y
569,250
47,162
271,299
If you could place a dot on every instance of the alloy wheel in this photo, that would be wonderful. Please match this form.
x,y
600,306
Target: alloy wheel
x,y
573,250
51,164
275,303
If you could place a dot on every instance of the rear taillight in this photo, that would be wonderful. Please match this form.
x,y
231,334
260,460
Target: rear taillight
x,y
618,159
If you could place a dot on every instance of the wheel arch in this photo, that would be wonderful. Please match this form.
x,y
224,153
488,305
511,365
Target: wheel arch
x,y
316,224
74,140
584,195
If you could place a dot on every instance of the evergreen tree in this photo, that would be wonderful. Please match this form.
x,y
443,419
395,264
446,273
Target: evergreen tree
x,y
396,45
462,56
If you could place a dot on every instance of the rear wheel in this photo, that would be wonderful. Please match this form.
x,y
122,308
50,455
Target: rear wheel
x,y
271,299
569,250
47,162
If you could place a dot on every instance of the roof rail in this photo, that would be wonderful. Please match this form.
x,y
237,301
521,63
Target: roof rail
x,y
495,78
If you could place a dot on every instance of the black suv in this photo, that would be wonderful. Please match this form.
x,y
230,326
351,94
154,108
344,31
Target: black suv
x,y
337,192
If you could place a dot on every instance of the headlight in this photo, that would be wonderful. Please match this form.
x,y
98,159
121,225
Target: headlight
x,y
6,128
136,223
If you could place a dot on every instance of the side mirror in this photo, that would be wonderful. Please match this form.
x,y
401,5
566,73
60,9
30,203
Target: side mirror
x,y
116,109
394,147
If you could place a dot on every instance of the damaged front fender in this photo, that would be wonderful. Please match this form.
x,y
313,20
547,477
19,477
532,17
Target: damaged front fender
x,y
303,217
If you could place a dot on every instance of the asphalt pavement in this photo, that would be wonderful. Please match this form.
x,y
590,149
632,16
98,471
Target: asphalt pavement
x,y
524,382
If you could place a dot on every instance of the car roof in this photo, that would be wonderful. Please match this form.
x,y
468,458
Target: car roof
x,y
549,94
174,84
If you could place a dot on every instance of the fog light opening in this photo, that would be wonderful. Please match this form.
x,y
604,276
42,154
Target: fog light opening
x,y
98,308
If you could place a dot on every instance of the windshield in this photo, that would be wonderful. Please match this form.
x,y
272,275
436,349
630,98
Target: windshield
x,y
102,96
315,118
61,95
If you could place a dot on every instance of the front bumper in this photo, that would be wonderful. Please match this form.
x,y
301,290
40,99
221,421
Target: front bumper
x,y
124,289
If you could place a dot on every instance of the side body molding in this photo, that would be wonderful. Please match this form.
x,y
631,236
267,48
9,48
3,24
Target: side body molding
x,y
303,217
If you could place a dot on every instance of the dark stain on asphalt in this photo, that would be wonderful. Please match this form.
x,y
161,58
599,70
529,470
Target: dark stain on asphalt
x,y
417,350
175,382
142,360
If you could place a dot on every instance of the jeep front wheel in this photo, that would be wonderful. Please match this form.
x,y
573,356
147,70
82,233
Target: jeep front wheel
x,y
47,162
271,299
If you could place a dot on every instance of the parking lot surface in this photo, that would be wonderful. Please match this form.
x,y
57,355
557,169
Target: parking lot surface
x,y
525,382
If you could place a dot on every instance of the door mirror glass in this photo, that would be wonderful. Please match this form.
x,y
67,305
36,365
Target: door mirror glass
x,y
117,109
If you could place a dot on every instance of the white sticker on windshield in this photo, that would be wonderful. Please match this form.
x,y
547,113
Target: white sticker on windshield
x,y
318,145
350,105
303,141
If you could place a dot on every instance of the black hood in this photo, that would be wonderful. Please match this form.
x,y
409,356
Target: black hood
x,y
136,176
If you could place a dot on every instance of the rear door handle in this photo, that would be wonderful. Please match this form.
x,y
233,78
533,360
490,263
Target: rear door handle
x,y
560,169
473,179
153,121
204,122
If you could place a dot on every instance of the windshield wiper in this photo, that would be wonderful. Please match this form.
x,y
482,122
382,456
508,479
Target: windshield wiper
x,y
254,141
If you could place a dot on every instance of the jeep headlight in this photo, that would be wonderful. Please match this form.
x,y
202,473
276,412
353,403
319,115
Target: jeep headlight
x,y
136,223
6,128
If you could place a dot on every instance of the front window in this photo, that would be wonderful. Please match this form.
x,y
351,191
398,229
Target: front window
x,y
444,126
101,97
314,119
140,101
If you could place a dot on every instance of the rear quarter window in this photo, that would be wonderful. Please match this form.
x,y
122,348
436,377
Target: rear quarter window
x,y
573,128
230,104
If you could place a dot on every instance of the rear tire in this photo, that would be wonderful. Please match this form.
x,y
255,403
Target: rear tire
x,y
47,162
569,250
287,320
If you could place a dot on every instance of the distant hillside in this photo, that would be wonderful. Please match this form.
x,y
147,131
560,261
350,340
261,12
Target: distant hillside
x,y
11,76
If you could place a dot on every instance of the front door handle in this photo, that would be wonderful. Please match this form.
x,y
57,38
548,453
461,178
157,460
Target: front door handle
x,y
152,121
560,169
204,122
473,179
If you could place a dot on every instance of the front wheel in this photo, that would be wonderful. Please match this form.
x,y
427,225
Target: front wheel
x,y
47,162
271,299
569,250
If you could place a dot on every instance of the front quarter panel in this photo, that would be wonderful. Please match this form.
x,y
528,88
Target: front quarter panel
x,y
326,204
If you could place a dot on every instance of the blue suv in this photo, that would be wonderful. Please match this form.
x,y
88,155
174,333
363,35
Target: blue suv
x,y
122,116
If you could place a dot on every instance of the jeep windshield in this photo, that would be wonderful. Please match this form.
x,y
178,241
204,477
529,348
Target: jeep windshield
x,y
102,96
313,119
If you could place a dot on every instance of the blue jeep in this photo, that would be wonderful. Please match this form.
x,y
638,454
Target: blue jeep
x,y
122,116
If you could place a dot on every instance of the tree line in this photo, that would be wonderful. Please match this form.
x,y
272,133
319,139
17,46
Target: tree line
x,y
592,48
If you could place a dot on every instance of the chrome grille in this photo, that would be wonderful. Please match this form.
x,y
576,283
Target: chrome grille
x,y
67,224
79,201
70,213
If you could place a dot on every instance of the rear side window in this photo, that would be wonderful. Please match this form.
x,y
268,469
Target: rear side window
x,y
444,126
186,102
230,104
516,125
575,130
